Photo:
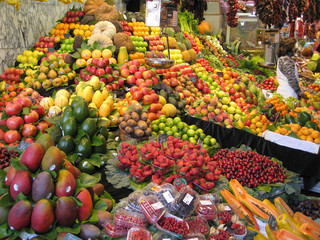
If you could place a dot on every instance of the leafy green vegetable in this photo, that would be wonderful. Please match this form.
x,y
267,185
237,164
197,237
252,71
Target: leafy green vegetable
x,y
187,22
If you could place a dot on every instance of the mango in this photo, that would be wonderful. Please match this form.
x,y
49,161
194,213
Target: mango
x,y
42,216
74,170
20,215
42,186
66,184
66,211
32,156
52,159
89,231
84,211
10,175
21,182
98,189
103,217
4,212
46,141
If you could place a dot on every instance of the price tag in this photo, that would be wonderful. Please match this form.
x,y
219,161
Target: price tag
x,y
200,142
70,236
180,182
50,49
188,199
272,221
220,74
168,197
33,100
205,202
157,205
162,138
66,35
23,145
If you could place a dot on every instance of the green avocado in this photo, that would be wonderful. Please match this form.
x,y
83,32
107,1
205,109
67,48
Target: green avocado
x,y
84,149
70,127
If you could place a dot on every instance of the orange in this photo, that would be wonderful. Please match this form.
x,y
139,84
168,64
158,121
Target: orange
x,y
72,25
86,54
87,33
76,32
106,53
81,62
303,137
309,138
91,28
86,27
317,140
315,134
81,32
96,53
113,60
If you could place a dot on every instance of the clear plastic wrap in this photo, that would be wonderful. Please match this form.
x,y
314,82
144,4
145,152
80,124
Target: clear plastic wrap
x,y
206,208
114,230
139,234
198,225
129,219
152,208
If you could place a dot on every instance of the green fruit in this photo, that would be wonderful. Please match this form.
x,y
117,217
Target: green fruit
x,y
55,134
84,149
289,119
66,144
175,129
213,141
202,136
103,147
161,132
207,141
303,118
104,131
176,120
86,167
161,126
185,137
156,122
154,128
81,111
193,140
170,133
194,127
169,122
177,135
199,131
167,129
76,100
191,133
89,125
70,126
180,125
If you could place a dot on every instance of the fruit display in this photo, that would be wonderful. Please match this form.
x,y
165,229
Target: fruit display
x,y
268,84
6,156
29,58
72,16
31,199
309,207
12,75
66,46
45,43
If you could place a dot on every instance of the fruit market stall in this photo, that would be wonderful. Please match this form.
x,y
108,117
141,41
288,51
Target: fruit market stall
x,y
110,128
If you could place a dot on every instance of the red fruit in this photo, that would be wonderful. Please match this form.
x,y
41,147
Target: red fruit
x,y
12,136
14,122
29,130
13,108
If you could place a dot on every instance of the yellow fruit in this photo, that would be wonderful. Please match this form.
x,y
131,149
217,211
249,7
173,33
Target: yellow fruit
x,y
95,82
47,103
162,100
106,53
96,53
63,92
81,62
105,93
87,93
169,110
97,98
61,101
86,54
104,110
113,60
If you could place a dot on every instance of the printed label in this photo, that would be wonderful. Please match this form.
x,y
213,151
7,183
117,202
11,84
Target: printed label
x,y
188,199
52,167
167,195
15,187
205,202
68,189
227,208
157,205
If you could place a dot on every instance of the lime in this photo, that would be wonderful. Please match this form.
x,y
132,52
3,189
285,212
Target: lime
x,y
167,129
156,122
202,136
206,141
175,129
180,125
191,133
154,133
176,120
154,128
185,137
66,144
196,137
185,130
192,140
169,123
213,141
176,135
162,118
205,146
170,133
199,131
161,132
194,127
161,126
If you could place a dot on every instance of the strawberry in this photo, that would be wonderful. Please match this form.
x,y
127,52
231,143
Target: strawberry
x,y
210,185
193,171
184,169
125,145
210,176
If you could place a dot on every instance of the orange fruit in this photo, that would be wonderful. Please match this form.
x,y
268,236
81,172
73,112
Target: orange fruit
x,y
106,53
81,62
315,134
309,138
113,60
91,28
86,54
96,53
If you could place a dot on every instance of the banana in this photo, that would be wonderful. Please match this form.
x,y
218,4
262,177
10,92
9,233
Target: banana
x,y
11,2
17,4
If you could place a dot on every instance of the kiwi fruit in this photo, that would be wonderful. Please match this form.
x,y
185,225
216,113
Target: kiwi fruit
x,y
135,116
148,131
138,132
123,125
137,108
126,116
144,116
142,125
132,123
128,130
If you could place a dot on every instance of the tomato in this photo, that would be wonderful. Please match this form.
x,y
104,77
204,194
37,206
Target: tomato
x,y
29,130
12,136
14,122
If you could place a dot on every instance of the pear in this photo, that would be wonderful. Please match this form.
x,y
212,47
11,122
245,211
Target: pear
x,y
52,74
71,75
46,84
67,69
64,78
57,82
44,69
61,71
54,64
61,63
52,58
42,76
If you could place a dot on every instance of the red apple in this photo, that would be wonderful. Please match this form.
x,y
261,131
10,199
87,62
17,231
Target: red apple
x,y
137,96
93,70
100,72
32,117
140,81
13,108
94,61
133,69
108,69
147,74
25,101
103,79
131,79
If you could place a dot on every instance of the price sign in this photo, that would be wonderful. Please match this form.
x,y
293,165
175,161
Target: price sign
x,y
70,236
220,74
23,145
50,49
162,138
272,221
193,79
66,35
